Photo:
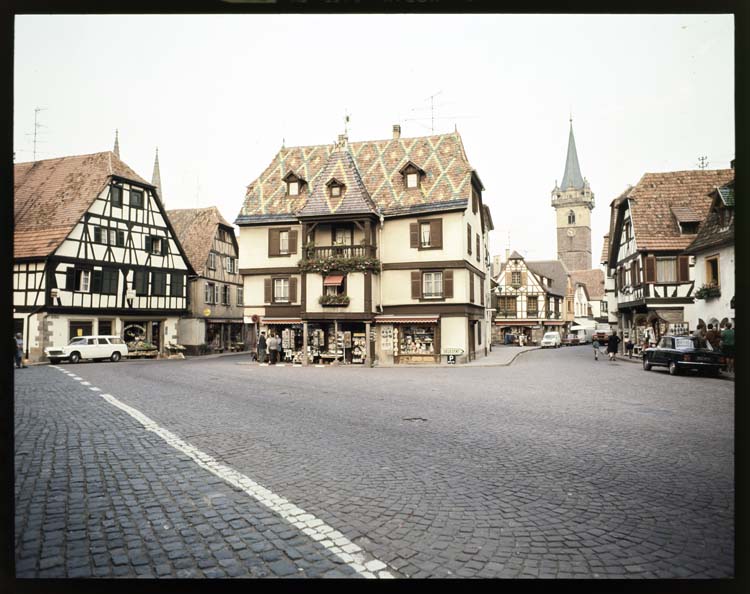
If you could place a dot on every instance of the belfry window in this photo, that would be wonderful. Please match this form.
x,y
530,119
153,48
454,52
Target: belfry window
x,y
571,218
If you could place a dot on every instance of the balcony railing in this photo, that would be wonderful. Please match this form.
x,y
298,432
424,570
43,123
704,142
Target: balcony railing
x,y
339,251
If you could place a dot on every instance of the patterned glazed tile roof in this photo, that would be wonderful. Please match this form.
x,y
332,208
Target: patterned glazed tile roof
x,y
656,194
447,183
712,233
727,194
552,269
195,229
355,199
593,280
605,250
51,196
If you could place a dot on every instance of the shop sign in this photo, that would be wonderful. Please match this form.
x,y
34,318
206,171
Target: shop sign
x,y
452,351
451,359
207,312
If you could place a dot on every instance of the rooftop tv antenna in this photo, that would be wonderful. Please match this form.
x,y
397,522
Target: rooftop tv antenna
x,y
37,126
702,162
433,117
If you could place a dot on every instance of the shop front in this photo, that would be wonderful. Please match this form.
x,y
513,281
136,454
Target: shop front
x,y
408,340
225,335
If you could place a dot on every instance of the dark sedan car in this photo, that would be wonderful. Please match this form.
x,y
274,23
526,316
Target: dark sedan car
x,y
679,353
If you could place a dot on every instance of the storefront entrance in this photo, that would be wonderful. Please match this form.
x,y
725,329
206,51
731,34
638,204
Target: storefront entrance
x,y
325,346
416,343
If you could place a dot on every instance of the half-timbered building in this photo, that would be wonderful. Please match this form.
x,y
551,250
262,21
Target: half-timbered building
x,y
651,225
532,298
369,251
94,253
214,322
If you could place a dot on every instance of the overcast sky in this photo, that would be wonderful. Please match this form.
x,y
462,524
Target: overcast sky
x,y
218,94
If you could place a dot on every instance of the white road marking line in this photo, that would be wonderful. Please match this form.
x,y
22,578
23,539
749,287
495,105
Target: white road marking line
x,y
308,523
95,389
78,379
85,383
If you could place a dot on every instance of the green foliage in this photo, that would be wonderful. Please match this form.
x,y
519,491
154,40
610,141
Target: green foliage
x,y
708,292
342,300
340,264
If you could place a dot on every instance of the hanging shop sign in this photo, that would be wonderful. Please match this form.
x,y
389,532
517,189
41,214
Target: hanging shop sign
x,y
452,351
207,312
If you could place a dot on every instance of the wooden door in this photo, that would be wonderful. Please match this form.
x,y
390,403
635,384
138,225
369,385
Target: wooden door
x,y
472,341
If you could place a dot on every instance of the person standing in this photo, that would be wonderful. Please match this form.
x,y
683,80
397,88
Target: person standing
x,y
279,349
612,344
712,336
727,346
262,348
18,351
596,349
272,349
629,344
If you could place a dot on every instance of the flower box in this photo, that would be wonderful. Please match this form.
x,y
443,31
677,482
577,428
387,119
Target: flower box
x,y
334,300
708,292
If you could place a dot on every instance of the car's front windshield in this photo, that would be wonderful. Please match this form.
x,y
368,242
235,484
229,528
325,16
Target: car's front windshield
x,y
549,336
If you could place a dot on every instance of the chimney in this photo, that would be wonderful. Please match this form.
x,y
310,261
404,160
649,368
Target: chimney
x,y
396,131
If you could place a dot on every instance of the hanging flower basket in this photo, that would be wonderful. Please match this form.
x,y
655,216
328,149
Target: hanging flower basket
x,y
334,300
708,292
340,264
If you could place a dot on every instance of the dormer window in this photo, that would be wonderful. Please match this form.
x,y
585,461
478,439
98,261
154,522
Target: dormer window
x,y
335,191
412,175
335,188
293,183
689,227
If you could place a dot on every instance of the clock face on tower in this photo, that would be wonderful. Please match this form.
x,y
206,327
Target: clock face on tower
x,y
571,232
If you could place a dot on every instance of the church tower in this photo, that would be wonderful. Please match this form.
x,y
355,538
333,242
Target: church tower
x,y
573,202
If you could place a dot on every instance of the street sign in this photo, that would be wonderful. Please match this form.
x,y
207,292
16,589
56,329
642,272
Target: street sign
x,y
452,351
451,359
207,312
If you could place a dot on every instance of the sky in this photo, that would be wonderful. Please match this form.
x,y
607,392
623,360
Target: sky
x,y
218,94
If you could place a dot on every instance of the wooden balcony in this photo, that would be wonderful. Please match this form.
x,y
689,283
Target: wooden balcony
x,y
339,251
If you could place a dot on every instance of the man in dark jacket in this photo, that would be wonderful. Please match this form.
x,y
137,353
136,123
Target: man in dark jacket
x,y
262,348
612,345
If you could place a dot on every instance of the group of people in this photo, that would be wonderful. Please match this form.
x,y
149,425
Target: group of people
x,y
270,346
612,344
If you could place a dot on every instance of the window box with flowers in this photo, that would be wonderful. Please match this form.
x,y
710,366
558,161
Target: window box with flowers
x,y
334,300
340,264
708,292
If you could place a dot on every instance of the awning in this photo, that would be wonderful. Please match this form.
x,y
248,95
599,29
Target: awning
x,y
333,280
278,321
406,319
581,327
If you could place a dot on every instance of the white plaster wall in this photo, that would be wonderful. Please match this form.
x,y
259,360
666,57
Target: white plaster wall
x,y
454,333
394,246
191,331
253,248
355,289
397,287
719,307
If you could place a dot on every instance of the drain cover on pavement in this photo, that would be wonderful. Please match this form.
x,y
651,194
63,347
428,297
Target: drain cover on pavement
x,y
415,419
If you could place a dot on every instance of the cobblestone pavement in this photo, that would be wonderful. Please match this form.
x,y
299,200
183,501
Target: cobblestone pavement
x,y
557,466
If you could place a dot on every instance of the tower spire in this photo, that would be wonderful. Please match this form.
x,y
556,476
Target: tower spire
x,y
572,177
116,150
156,177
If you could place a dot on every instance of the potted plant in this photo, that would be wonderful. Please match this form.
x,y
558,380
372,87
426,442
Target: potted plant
x,y
334,300
708,292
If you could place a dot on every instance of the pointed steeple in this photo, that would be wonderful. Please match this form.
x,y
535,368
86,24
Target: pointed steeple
x,y
116,150
572,177
156,177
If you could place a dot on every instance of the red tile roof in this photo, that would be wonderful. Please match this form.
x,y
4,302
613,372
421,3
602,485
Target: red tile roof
x,y
594,281
51,196
195,229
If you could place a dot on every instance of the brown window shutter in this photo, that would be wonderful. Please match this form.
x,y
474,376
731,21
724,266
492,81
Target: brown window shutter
x,y
293,241
273,242
474,202
416,284
683,269
478,247
481,291
267,290
468,237
414,235
650,269
471,287
636,273
524,278
448,283
632,274
436,233
293,290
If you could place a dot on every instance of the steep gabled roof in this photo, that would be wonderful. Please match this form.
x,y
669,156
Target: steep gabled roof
x,y
515,256
195,229
447,183
572,177
552,269
593,280
605,250
655,196
355,199
51,196
712,234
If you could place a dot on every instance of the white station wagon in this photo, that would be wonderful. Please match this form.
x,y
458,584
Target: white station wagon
x,y
97,348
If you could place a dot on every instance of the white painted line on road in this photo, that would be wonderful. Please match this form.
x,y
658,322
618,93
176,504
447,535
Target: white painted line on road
x,y
95,389
85,383
308,523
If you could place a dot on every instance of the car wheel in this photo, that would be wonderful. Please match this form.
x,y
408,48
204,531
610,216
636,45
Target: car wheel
x,y
116,356
75,357
54,361
673,369
646,365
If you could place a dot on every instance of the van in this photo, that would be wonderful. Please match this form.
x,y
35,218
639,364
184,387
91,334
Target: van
x,y
551,339
97,348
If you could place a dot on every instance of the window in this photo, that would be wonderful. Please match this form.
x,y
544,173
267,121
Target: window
x,y
136,199
412,180
479,245
506,306
120,238
712,271
532,306
159,283
156,245
424,235
84,281
571,218
116,196
284,242
628,231
177,284
281,290
212,260
102,341
105,327
603,306
240,296
225,295
229,264
77,279
666,270
515,278
208,293
112,236
474,201
342,236
334,284
109,281
98,235
468,238
335,191
141,282
293,188
689,227
432,285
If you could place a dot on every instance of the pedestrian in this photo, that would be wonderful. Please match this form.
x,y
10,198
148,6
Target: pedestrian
x,y
271,343
262,348
612,345
18,350
629,344
596,348
279,351
713,337
727,346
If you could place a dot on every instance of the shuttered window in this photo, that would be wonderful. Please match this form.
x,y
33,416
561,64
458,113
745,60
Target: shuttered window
x,y
159,283
109,281
478,248
474,202
141,282
426,234
468,237
666,270
471,287
177,284
432,285
281,290
282,242
240,296
212,260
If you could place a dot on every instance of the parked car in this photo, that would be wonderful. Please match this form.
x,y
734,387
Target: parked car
x,y
682,353
571,340
551,339
97,348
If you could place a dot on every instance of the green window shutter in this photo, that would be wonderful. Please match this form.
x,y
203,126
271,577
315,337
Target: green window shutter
x,y
96,281
70,279
148,243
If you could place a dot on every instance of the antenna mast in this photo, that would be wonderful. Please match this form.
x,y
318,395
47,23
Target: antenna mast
x,y
37,125
702,162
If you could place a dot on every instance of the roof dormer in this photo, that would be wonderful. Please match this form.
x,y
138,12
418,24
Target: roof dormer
x,y
294,183
413,175
335,188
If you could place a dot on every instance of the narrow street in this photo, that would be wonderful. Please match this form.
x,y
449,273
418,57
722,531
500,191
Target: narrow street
x,y
219,467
